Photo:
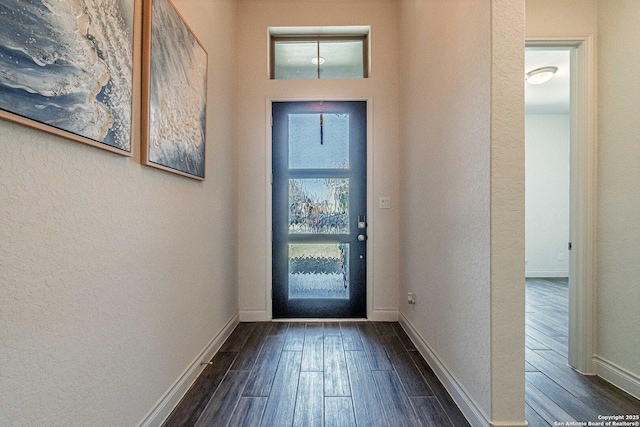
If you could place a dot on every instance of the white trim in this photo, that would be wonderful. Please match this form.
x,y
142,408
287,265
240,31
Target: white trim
x,y
469,408
377,315
546,273
582,282
176,392
618,376
346,30
459,394
254,316
269,198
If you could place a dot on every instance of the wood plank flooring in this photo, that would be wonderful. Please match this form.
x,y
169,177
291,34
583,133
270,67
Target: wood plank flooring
x,y
370,374
555,393
317,374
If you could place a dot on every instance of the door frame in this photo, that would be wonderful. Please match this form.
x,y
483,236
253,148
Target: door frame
x,y
269,199
583,202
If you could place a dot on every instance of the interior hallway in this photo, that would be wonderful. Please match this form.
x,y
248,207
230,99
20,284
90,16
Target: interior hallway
x,y
554,391
116,277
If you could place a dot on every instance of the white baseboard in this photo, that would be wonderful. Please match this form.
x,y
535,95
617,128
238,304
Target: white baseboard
x,y
471,411
254,316
618,376
172,397
546,273
383,316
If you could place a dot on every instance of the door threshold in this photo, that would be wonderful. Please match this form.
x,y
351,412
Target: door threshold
x,y
341,319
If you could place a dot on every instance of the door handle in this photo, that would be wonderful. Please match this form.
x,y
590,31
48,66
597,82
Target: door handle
x,y
362,237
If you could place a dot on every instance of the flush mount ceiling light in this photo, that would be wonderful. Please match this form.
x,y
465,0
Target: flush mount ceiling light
x,y
318,60
540,75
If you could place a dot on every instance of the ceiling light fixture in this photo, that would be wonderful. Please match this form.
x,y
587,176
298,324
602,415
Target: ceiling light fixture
x,y
540,75
318,60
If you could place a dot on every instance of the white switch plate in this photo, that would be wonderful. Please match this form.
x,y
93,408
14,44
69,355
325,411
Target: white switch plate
x,y
384,203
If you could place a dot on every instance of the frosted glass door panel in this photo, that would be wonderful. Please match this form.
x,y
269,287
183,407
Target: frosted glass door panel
x,y
318,141
319,206
319,271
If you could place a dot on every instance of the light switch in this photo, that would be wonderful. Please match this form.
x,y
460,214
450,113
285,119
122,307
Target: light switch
x,y
384,203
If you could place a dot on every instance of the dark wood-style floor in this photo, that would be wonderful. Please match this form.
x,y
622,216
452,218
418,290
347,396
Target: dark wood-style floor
x,y
317,374
556,393
370,374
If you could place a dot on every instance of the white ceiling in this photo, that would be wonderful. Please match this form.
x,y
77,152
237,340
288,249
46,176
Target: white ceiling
x,y
551,97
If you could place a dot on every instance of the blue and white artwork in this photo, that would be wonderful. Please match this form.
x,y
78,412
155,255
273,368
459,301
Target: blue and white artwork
x,y
177,94
68,64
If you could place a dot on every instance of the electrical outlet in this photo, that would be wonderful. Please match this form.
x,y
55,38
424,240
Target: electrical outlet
x,y
411,298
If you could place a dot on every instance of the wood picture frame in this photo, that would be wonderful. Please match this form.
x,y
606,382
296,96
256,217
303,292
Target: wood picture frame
x,y
67,68
174,92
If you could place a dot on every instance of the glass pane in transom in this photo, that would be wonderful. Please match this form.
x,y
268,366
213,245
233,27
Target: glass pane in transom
x,y
341,59
293,60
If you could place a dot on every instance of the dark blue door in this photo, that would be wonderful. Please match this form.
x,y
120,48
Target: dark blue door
x,y
319,209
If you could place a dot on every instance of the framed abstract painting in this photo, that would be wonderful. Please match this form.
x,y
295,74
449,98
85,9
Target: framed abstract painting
x,y
174,92
66,67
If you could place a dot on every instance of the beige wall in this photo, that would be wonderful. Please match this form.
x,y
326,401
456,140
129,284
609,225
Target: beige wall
x,y
613,23
255,90
561,17
462,198
445,182
507,212
114,276
618,293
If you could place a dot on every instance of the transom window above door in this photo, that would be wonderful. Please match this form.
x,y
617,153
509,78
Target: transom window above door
x,y
318,52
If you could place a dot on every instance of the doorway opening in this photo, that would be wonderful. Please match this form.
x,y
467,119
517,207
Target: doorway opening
x,y
582,188
547,199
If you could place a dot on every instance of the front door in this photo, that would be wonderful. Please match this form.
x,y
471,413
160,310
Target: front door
x,y
319,209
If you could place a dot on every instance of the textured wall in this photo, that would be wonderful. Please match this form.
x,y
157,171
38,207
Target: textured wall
x,y
545,17
114,276
618,293
617,38
463,193
547,194
507,212
446,79
255,88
